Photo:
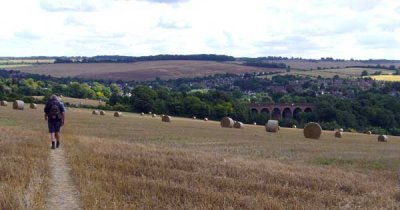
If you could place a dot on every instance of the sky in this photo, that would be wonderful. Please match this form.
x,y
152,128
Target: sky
x,y
359,29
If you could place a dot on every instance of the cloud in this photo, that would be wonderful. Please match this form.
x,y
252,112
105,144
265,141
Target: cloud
x,y
167,1
26,35
170,24
68,5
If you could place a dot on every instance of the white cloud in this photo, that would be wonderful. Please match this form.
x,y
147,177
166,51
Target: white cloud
x,y
306,28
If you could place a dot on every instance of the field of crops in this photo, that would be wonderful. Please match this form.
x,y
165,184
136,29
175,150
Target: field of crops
x,y
389,78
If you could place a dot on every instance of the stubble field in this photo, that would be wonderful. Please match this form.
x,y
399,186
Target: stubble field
x,y
139,162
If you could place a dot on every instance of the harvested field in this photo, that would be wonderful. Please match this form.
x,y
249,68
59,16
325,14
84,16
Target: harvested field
x,y
141,70
139,162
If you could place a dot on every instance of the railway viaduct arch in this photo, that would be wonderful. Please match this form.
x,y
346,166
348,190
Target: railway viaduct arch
x,y
279,111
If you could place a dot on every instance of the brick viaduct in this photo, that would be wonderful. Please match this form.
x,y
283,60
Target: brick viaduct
x,y
279,111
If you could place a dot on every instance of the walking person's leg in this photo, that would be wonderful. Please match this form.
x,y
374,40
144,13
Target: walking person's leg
x,y
58,138
52,130
53,140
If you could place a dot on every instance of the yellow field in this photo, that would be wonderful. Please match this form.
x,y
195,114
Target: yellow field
x,y
390,78
139,162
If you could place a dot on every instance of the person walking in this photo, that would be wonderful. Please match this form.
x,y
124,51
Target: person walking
x,y
54,113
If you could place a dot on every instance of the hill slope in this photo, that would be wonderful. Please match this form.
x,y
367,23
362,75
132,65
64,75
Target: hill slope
x,y
140,70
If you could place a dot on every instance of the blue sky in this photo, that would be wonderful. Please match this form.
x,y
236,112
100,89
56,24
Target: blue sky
x,y
360,29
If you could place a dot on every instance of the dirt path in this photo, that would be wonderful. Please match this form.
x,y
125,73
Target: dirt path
x,y
63,194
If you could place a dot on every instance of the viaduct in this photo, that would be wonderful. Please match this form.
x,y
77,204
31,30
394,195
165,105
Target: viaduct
x,y
279,111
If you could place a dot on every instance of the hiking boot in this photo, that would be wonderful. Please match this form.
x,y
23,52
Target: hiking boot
x,y
58,144
53,145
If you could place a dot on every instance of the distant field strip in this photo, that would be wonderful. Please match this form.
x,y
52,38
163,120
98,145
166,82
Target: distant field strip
x,y
390,78
330,73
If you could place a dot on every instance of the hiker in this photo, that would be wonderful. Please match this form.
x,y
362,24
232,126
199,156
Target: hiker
x,y
55,116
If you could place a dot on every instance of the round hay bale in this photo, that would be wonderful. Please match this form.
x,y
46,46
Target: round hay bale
x,y
18,105
238,125
4,103
33,106
154,115
341,130
102,112
117,114
166,118
142,113
150,113
312,130
294,126
272,126
254,123
227,122
95,112
382,138
368,132
206,119
193,117
338,134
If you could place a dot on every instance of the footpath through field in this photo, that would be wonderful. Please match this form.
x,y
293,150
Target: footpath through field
x,y
63,194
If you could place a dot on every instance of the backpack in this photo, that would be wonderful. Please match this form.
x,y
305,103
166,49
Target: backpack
x,y
54,113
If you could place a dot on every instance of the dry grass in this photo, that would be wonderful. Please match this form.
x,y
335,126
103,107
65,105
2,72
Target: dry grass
x,y
142,70
23,163
139,162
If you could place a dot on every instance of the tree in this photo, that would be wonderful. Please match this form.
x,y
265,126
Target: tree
x,y
364,73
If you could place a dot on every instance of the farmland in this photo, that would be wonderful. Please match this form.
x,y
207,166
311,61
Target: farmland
x,y
141,70
138,161
389,78
345,73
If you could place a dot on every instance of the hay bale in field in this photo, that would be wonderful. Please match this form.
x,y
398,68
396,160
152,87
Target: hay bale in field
x,y
142,113
193,117
254,123
4,103
102,112
368,132
338,134
272,126
166,118
154,115
150,113
95,112
294,126
227,122
341,130
238,125
312,130
117,114
33,106
18,105
382,138
206,119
